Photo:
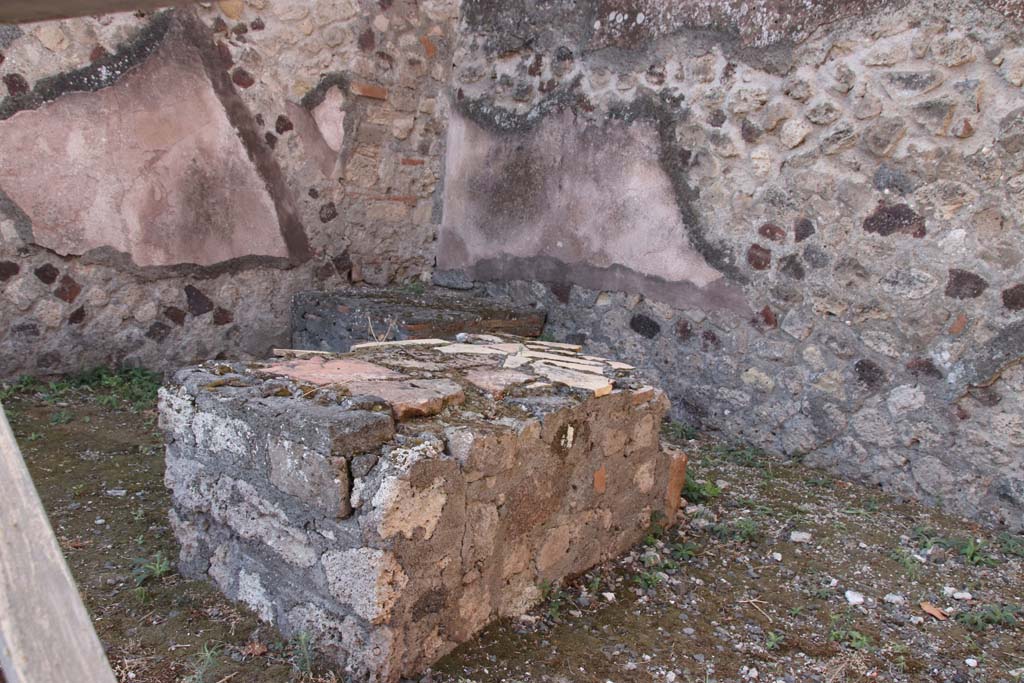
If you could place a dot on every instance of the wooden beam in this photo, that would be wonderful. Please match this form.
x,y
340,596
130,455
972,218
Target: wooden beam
x,y
46,635
23,11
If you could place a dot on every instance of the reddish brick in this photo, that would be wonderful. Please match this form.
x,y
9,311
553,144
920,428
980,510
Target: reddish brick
x,y
758,257
222,316
958,325
367,40
772,232
896,218
374,92
242,78
16,84
429,48
1013,298
175,315
964,284
68,290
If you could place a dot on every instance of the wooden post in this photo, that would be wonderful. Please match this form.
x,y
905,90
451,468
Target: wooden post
x,y
15,11
45,633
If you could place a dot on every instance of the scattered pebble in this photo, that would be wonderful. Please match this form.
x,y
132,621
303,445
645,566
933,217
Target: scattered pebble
x,y
962,595
971,662
894,599
610,597
854,598
800,537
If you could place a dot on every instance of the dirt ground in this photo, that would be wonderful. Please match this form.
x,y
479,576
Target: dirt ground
x,y
777,573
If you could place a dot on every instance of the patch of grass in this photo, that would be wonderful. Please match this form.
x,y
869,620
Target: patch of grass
x,y
743,455
683,552
678,431
841,632
155,567
141,594
61,417
555,597
744,529
303,654
647,580
203,663
973,552
699,493
108,387
823,592
773,640
22,386
927,538
906,561
1011,545
990,615
656,530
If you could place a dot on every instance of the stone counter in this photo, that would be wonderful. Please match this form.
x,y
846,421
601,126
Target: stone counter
x,y
392,501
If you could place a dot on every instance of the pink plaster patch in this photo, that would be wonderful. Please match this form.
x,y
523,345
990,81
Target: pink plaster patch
x,y
413,398
496,382
150,166
331,371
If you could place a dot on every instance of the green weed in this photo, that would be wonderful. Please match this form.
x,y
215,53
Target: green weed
x,y
904,559
744,529
773,640
1011,545
840,632
554,596
108,387
203,663
699,493
974,553
145,569
744,456
990,615
678,431
683,552
302,653
647,580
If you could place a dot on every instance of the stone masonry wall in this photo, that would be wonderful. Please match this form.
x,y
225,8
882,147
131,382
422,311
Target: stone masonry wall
x,y
803,219
169,180
391,502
